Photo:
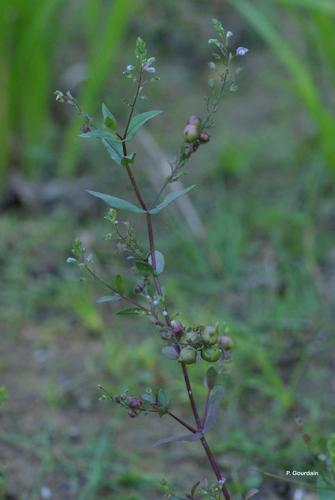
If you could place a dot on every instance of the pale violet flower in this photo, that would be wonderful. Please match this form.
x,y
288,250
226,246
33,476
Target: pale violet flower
x,y
130,68
241,51
147,67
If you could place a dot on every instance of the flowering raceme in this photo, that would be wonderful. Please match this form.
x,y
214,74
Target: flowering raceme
x,y
187,344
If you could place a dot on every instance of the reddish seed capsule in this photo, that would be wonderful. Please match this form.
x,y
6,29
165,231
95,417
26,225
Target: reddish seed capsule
x,y
204,137
135,403
226,342
177,326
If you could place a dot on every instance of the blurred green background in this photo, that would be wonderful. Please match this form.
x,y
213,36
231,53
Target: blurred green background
x,y
255,247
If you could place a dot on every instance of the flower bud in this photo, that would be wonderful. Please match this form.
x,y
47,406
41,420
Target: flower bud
x,y
194,120
188,355
226,342
204,137
210,354
210,335
177,326
191,132
132,413
85,129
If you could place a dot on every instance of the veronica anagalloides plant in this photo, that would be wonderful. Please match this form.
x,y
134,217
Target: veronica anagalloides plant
x,y
184,344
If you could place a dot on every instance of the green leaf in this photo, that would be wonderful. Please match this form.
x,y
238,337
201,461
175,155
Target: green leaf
x,y
130,311
160,262
109,118
143,267
117,202
108,298
114,150
139,120
194,488
128,160
148,397
140,50
118,283
174,439
3,395
323,5
163,398
211,377
169,199
101,134
214,407
111,142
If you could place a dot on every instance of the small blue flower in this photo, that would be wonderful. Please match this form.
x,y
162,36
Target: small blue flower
x,y
241,51
147,67
130,68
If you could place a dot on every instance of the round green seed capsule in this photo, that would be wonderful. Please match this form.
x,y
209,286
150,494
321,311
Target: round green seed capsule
x,y
188,355
210,354
210,335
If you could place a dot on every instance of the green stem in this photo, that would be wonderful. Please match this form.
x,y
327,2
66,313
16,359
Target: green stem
x,y
107,285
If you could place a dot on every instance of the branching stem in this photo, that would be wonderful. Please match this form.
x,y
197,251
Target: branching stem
x,y
151,239
114,290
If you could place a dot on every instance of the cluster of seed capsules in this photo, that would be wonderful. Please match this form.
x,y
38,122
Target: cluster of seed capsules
x,y
135,405
148,402
194,136
200,341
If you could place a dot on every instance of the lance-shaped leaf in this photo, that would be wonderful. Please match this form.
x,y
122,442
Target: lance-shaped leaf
x,y
213,409
111,142
184,437
169,199
210,378
117,202
194,488
143,267
108,298
139,120
101,134
163,398
109,118
130,311
160,261
114,150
